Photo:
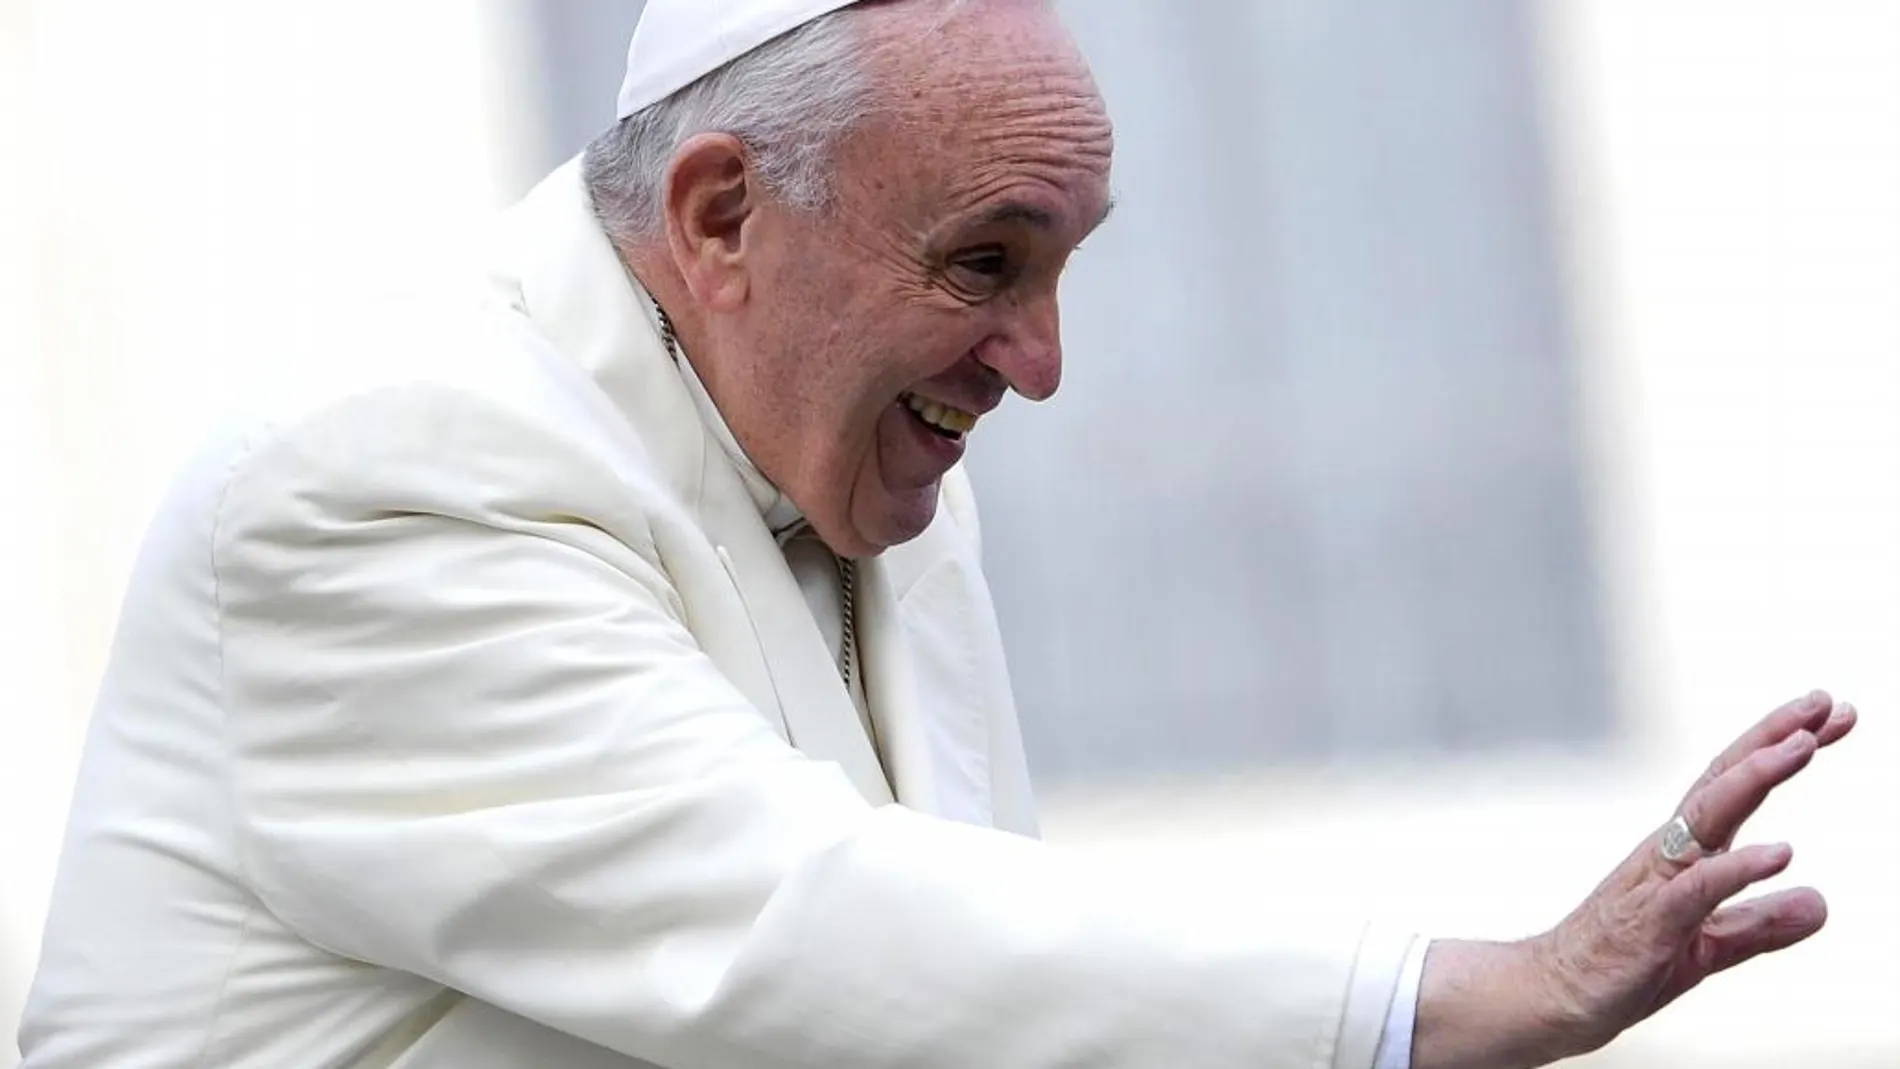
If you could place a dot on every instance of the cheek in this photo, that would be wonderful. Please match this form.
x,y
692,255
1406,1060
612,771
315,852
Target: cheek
x,y
902,361
877,353
841,388
862,340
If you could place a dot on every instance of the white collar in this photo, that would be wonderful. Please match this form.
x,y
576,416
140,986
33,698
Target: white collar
x,y
780,514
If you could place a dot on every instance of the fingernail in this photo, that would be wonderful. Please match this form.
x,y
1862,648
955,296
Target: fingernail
x,y
1798,741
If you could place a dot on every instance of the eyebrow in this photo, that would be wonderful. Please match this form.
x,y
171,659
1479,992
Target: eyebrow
x,y
1018,212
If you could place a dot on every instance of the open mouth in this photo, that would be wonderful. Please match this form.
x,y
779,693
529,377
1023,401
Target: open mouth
x,y
942,420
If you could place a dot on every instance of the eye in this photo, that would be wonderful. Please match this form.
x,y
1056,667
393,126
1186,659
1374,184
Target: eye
x,y
990,262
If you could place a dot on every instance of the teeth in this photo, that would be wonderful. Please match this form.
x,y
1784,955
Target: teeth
x,y
954,420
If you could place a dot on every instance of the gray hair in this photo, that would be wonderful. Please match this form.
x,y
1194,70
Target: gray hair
x,y
790,101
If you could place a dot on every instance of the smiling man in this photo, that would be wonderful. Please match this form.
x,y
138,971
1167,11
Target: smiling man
x,y
854,340
610,680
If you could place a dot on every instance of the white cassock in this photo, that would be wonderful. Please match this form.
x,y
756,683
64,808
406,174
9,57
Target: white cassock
x,y
469,716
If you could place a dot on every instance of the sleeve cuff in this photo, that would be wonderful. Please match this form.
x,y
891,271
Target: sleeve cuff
x,y
1395,1047
1377,981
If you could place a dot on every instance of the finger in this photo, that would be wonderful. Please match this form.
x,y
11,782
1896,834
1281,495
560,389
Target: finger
x,y
1838,724
1760,926
1697,891
1716,811
1809,713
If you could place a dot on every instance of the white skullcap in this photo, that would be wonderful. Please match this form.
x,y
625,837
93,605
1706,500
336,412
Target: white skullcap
x,y
678,42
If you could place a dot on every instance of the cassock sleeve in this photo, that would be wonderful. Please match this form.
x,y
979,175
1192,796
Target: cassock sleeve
x,y
476,742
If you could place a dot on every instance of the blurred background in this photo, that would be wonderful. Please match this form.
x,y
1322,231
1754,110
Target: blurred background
x,y
1476,414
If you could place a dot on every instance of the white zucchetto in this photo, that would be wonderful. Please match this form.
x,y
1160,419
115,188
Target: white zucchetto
x,y
678,42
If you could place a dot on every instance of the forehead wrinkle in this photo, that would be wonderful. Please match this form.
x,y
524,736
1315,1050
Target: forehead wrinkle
x,y
1043,126
1002,118
1005,165
1051,135
1045,139
1077,109
996,83
1054,171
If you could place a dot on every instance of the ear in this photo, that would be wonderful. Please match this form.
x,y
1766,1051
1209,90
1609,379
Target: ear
x,y
712,198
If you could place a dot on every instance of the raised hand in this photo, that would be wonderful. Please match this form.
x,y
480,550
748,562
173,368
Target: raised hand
x,y
1656,927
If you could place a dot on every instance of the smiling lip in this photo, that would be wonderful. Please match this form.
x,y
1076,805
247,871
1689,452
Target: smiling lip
x,y
947,421
937,449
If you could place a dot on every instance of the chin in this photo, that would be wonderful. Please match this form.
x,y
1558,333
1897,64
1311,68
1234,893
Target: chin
x,y
897,519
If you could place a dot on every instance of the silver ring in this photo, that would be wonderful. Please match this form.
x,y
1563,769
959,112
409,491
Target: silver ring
x,y
1679,841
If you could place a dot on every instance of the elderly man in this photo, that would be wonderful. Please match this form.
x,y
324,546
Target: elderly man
x,y
610,680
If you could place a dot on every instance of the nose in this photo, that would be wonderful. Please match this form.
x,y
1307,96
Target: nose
x,y
1027,352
